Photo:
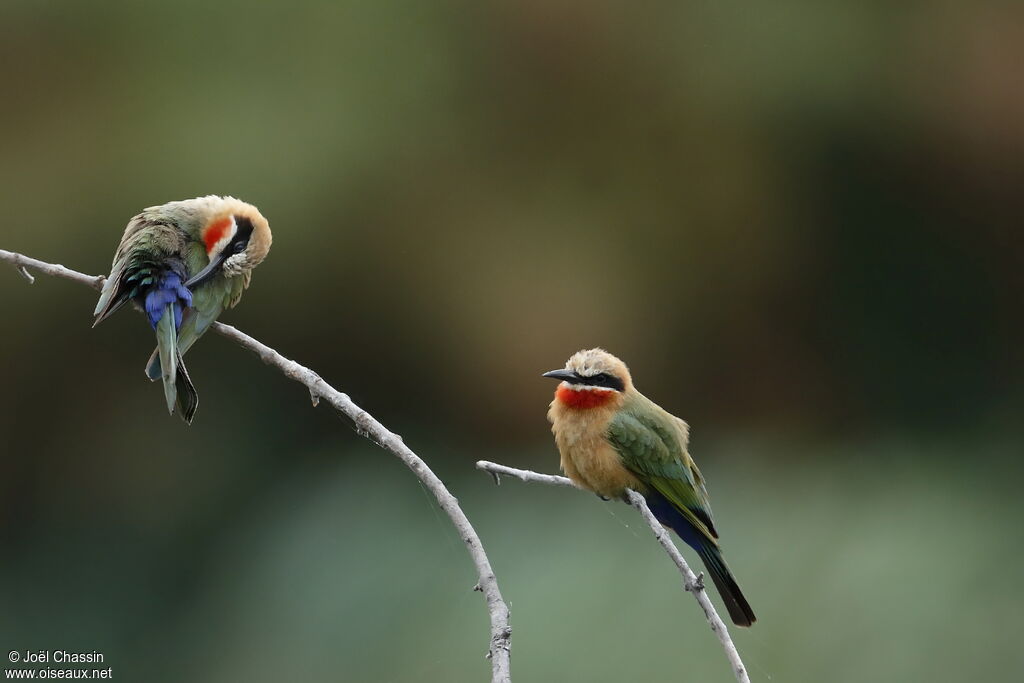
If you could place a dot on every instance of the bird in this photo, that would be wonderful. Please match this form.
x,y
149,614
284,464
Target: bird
x,y
182,263
612,438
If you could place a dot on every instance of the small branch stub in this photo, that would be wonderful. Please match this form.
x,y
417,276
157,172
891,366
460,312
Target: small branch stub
x,y
22,263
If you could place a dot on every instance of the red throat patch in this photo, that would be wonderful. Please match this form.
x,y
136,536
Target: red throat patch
x,y
215,232
583,398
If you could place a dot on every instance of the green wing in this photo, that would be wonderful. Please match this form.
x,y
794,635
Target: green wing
x,y
207,305
652,445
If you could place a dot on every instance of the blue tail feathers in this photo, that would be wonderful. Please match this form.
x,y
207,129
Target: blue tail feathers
x,y
673,519
171,292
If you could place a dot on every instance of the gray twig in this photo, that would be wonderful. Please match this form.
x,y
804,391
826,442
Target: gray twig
x,y
691,583
501,633
22,263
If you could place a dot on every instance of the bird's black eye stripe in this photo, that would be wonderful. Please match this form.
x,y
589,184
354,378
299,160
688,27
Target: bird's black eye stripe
x,y
241,239
603,379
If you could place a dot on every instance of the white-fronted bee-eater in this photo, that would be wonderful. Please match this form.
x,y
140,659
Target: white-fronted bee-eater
x,y
612,438
183,263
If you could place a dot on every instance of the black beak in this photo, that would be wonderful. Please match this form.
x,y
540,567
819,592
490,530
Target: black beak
x,y
210,270
566,375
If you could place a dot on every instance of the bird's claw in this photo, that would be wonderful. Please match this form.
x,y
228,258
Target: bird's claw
x,y
697,584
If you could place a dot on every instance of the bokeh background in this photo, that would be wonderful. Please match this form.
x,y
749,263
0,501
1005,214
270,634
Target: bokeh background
x,y
798,223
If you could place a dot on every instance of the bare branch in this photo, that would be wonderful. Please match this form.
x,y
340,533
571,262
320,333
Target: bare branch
x,y
22,262
501,633
691,583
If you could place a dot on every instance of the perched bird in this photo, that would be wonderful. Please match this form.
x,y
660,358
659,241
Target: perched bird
x,y
612,438
183,263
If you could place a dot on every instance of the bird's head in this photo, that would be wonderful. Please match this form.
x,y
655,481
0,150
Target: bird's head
x,y
235,235
592,378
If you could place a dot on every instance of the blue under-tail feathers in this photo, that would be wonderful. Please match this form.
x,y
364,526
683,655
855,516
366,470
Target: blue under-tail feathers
x,y
171,292
732,596
673,519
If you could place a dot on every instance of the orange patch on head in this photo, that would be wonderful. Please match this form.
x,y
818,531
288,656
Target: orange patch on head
x,y
215,232
583,398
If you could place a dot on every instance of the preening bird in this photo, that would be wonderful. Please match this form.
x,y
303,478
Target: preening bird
x,y
611,437
183,263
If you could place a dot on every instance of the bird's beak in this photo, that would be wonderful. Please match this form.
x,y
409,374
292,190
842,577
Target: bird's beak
x,y
566,375
210,270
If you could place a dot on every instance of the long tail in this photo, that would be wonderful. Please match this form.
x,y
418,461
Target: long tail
x,y
179,392
731,594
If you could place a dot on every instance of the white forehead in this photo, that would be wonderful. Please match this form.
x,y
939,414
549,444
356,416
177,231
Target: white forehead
x,y
593,361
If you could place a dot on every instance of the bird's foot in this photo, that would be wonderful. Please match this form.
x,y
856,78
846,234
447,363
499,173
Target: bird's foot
x,y
697,584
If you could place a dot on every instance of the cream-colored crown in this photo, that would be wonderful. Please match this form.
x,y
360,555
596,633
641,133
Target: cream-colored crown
x,y
590,362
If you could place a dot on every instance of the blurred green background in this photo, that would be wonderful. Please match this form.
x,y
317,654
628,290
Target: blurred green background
x,y
798,223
